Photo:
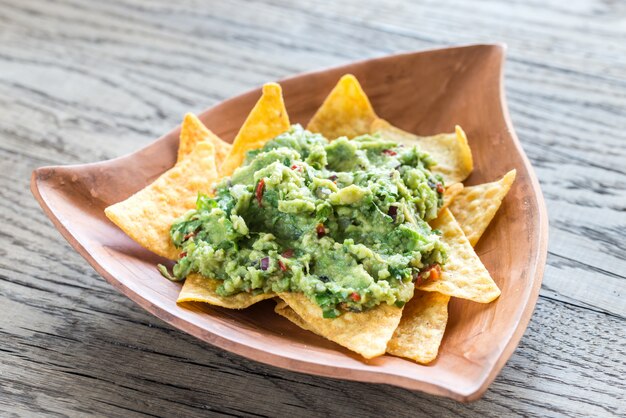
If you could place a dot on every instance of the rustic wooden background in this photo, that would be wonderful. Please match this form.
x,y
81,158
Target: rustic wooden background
x,y
82,81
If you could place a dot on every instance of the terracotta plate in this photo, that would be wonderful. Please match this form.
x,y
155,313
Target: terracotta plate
x,y
422,92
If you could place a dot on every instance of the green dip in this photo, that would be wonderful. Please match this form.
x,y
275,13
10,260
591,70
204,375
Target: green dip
x,y
344,222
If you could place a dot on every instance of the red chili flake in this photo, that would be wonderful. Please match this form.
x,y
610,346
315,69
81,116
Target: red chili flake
x,y
288,253
417,279
259,191
282,265
296,167
433,272
389,152
333,178
189,235
355,297
321,231
183,254
440,188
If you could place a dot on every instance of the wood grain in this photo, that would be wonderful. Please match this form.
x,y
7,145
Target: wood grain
x,y
81,82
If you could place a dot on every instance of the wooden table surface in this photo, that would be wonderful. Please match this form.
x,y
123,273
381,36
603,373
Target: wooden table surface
x,y
82,81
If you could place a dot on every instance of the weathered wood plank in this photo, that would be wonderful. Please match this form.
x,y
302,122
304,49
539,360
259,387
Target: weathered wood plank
x,y
83,81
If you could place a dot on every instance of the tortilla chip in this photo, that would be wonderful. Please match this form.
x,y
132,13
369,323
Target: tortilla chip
x,y
267,120
450,194
463,275
451,151
222,149
419,332
147,215
421,328
366,333
475,206
201,289
345,112
285,311
193,131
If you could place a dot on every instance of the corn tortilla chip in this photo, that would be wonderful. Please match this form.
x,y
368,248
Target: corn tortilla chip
x,y
421,328
451,151
267,120
475,206
201,289
285,311
345,112
463,275
366,333
193,131
450,194
147,215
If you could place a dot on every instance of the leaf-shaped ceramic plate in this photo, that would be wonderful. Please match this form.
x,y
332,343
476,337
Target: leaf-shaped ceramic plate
x,y
422,92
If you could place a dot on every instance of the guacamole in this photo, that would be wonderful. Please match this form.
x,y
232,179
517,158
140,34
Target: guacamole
x,y
344,222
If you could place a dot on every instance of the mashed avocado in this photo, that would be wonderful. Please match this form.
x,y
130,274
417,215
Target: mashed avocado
x,y
344,222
